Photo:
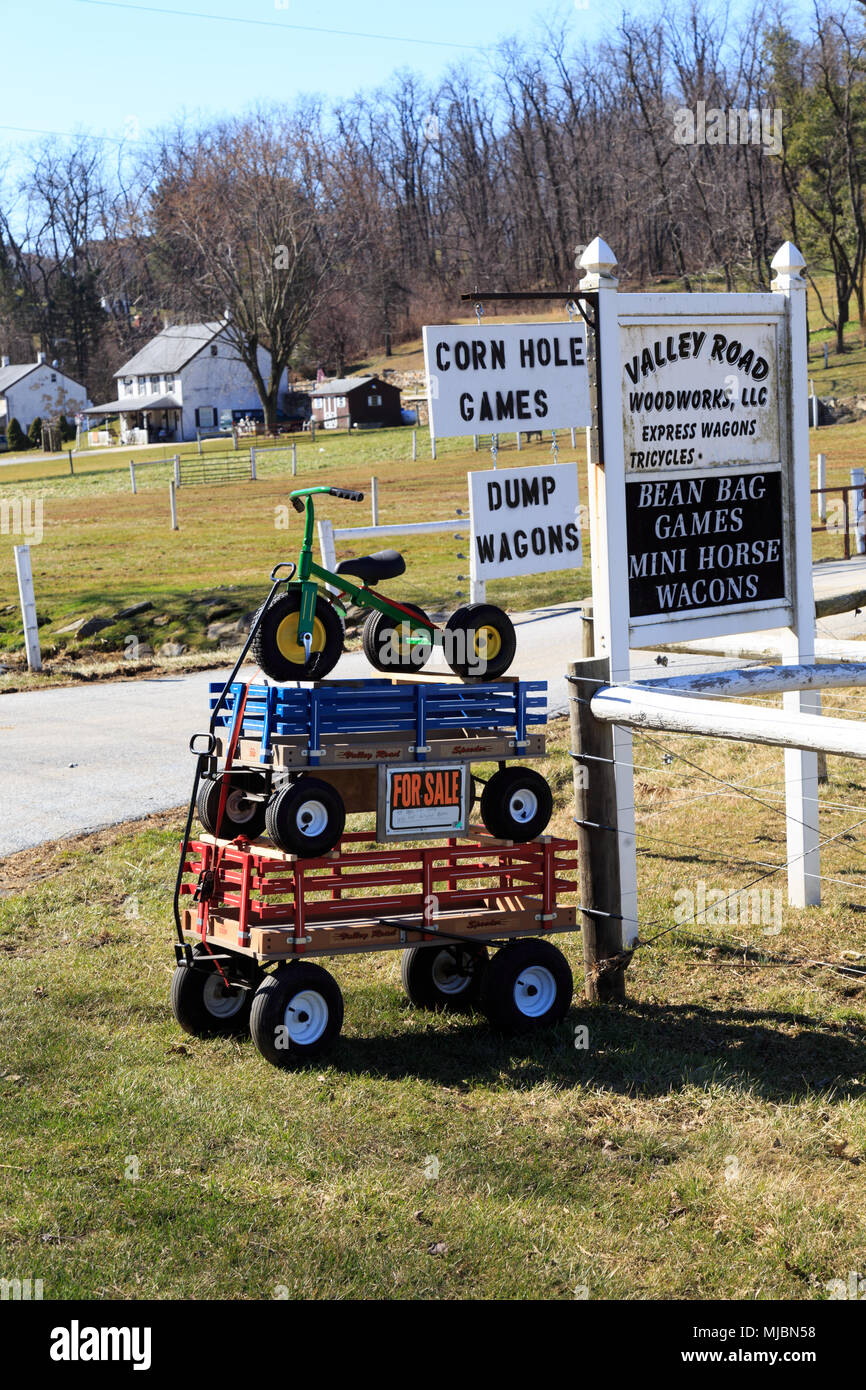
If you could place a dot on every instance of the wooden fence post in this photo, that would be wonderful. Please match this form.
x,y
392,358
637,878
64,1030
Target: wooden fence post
x,y
822,483
374,500
597,841
587,631
132,474
172,499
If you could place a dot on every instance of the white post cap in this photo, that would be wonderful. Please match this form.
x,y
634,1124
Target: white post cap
x,y
599,262
788,263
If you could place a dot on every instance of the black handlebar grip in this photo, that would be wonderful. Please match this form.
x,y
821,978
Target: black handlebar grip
x,y
347,493
298,504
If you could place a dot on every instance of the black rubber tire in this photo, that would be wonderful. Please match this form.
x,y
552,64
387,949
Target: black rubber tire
x,y
285,817
197,993
445,978
270,1018
527,986
240,817
266,651
375,639
502,797
459,644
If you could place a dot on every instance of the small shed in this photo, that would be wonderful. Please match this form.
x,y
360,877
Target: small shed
x,y
365,402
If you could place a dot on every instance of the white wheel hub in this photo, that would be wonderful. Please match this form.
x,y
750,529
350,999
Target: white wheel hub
x,y
311,818
534,991
522,806
447,975
306,1017
219,1001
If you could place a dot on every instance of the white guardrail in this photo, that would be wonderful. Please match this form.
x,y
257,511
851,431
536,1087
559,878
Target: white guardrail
x,y
328,538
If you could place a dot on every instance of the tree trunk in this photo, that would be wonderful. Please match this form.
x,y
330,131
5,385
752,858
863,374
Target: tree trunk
x,y
842,303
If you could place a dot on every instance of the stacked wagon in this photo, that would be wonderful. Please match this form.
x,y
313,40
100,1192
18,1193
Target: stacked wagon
x,y
275,880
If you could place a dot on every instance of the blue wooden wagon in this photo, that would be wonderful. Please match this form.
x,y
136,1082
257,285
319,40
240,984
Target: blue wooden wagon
x,y
295,760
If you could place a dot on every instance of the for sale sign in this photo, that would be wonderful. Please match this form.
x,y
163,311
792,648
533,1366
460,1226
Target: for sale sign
x,y
488,380
524,521
417,801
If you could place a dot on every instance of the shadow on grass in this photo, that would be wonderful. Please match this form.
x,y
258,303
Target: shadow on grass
x,y
638,1049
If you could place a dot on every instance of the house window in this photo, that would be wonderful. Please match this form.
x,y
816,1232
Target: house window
x,y
53,376
214,350
169,383
154,383
206,416
374,400
128,384
142,385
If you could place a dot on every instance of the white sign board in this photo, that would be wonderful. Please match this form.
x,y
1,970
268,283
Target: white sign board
x,y
699,392
707,514
487,380
524,521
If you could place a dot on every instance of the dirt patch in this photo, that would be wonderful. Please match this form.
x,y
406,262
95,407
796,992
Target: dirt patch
x,y
28,867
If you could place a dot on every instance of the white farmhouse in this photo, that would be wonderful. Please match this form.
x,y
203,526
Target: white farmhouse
x,y
36,389
188,378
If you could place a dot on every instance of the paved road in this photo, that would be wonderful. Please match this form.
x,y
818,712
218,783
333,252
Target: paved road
x,y
83,757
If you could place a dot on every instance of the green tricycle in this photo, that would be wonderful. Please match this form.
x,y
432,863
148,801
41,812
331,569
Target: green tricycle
x,y
299,634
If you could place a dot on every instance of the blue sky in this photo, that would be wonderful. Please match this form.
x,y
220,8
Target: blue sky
x,y
116,70
119,70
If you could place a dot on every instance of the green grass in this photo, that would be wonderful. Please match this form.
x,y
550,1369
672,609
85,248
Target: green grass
x,y
104,549
709,1142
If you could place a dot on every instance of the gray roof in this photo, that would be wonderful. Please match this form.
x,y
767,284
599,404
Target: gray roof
x,y
9,375
171,349
128,405
342,386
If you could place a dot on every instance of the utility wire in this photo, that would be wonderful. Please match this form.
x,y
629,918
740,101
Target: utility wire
x,y
279,24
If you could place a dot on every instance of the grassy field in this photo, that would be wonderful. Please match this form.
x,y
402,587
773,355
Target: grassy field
x,y
104,549
708,1143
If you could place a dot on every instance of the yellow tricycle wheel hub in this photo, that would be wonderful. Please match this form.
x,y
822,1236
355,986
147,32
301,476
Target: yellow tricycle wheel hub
x,y
488,643
288,644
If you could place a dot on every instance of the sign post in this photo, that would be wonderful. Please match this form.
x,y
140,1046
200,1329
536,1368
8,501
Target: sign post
x,y
700,500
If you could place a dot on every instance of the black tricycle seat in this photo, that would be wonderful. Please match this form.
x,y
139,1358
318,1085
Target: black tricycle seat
x,y
372,569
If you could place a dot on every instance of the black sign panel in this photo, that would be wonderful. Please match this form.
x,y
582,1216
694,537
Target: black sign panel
x,y
697,543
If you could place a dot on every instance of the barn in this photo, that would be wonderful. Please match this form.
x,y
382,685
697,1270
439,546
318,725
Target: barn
x,y
363,402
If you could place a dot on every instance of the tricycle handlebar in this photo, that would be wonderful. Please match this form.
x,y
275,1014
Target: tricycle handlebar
x,y
301,492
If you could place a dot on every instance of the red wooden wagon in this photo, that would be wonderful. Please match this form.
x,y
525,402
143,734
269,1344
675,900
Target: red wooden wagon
x,y
258,915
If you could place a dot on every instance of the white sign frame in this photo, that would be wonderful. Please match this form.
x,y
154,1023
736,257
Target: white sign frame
x,y
615,633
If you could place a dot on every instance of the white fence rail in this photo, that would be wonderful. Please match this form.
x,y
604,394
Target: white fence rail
x,y
328,538
678,705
